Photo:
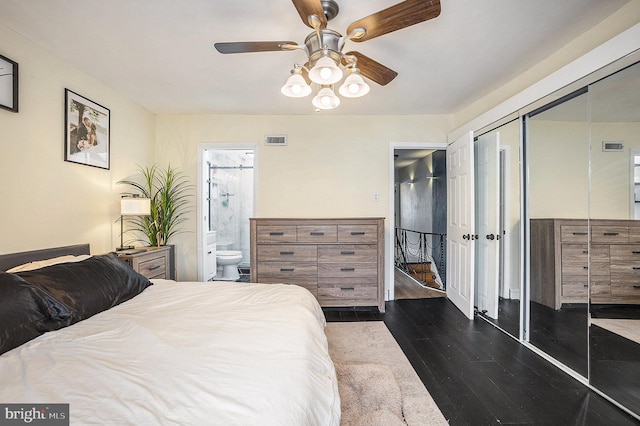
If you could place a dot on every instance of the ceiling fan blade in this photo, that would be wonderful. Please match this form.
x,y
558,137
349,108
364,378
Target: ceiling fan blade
x,y
307,8
255,46
373,70
397,17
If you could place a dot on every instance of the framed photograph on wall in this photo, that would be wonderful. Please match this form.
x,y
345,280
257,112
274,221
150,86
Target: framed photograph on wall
x,y
8,84
87,131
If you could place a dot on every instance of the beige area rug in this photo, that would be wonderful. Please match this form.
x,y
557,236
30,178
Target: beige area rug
x,y
377,384
624,327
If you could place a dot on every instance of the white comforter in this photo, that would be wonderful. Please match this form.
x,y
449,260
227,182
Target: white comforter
x,y
186,353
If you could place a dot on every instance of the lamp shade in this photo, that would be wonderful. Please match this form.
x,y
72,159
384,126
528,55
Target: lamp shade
x,y
325,99
325,71
354,85
296,86
135,206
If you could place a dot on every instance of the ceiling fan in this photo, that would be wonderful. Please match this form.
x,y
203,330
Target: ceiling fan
x,y
324,48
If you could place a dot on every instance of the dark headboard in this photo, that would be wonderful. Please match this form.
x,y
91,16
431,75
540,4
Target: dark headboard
x,y
8,261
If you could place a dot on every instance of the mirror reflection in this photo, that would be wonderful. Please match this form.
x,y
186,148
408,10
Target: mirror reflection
x,y
497,177
615,240
557,146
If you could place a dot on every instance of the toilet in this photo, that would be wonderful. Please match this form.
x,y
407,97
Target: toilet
x,y
228,261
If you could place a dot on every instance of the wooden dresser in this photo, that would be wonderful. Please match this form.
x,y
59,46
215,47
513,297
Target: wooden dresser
x,y
566,252
340,261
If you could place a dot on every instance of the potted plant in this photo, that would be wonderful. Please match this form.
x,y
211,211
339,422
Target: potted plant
x,y
169,192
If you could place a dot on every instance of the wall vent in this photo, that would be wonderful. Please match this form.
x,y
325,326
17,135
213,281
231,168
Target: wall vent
x,y
612,146
278,140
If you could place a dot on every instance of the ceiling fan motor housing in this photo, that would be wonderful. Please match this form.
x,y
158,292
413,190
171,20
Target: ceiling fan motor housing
x,y
330,8
330,40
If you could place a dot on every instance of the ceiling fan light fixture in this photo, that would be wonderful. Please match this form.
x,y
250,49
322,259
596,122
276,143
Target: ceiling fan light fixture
x,y
326,99
354,85
325,71
296,86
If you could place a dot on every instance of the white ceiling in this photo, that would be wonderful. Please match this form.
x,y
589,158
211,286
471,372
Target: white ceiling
x,y
159,53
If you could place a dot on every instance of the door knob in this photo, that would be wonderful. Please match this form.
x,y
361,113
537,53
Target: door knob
x,y
490,237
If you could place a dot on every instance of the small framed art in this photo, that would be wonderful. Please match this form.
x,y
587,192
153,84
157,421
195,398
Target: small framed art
x,y
8,84
87,131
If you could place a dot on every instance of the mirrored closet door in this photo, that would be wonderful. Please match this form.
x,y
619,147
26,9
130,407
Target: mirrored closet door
x,y
581,152
614,268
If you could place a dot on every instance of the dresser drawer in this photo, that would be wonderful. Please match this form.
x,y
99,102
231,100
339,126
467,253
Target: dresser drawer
x,y
348,293
155,267
574,233
287,253
625,271
625,289
276,234
625,253
317,233
609,234
287,272
578,289
347,270
634,234
348,253
357,233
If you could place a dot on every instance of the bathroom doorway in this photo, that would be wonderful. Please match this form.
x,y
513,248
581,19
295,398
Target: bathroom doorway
x,y
226,203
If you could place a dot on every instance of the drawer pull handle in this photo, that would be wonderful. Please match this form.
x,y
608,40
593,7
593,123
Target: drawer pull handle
x,y
611,234
286,253
357,233
347,288
586,285
347,253
585,267
635,252
579,233
276,234
347,269
585,251
317,234
635,268
151,268
286,269
636,286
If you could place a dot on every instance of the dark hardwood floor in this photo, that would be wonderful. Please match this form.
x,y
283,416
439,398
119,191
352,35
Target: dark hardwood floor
x,y
478,375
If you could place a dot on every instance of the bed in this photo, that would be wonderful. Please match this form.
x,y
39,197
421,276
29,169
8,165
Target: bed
x,y
160,352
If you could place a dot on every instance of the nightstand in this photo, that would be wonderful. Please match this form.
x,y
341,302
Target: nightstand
x,y
152,262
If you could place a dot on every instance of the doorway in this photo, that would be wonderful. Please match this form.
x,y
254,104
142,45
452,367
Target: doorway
x,y
225,204
416,234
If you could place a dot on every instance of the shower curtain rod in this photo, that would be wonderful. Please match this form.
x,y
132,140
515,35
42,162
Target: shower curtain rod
x,y
230,167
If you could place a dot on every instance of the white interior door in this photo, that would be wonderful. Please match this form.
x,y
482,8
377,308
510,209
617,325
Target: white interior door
x,y
460,224
487,205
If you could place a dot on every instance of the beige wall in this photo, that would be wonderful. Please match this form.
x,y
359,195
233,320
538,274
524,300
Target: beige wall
x,y
46,201
331,166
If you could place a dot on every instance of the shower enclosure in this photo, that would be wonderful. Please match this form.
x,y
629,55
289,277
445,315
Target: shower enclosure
x,y
230,199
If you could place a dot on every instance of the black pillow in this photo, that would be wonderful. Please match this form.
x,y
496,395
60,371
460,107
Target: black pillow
x,y
26,312
90,286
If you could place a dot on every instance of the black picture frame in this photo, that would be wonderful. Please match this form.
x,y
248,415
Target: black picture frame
x,y
87,131
8,84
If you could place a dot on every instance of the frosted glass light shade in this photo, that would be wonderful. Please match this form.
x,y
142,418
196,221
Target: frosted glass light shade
x,y
134,206
296,86
354,86
325,71
326,99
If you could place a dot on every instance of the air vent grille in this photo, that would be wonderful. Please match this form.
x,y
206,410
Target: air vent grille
x,y
615,146
277,140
